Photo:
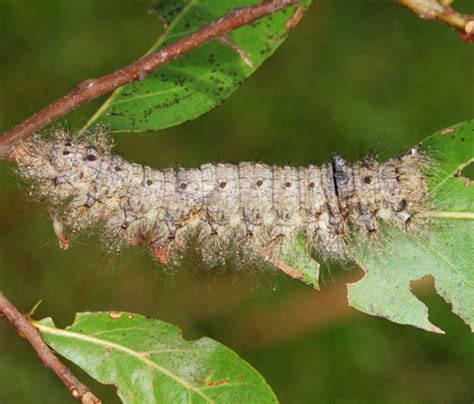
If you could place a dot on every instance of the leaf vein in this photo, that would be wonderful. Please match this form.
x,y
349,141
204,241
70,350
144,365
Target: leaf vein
x,y
74,335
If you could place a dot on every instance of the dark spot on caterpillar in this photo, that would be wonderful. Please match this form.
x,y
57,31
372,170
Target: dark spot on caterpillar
x,y
259,183
370,227
66,152
183,185
117,169
400,205
365,163
91,153
288,184
367,179
222,184
362,208
148,182
311,185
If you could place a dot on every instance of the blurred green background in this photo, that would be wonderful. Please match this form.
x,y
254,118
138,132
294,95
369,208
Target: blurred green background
x,y
355,77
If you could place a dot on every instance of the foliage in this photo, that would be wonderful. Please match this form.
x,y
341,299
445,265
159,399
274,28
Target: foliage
x,y
149,361
200,80
442,250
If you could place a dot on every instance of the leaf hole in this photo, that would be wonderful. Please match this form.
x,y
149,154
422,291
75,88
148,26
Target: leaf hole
x,y
439,311
468,172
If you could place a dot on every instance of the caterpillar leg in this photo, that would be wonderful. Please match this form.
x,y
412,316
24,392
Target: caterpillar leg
x,y
160,252
58,227
294,260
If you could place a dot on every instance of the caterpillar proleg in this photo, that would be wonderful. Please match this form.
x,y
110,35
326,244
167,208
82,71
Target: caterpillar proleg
x,y
260,207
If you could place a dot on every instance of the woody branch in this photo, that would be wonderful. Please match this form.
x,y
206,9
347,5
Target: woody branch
x,y
91,89
442,11
33,336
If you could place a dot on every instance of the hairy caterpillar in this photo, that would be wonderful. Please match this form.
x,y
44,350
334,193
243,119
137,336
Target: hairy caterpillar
x,y
260,207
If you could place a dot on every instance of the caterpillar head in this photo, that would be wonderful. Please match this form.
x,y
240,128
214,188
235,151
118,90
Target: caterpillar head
x,y
63,167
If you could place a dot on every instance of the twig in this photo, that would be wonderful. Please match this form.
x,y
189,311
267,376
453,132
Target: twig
x,y
441,10
91,89
31,333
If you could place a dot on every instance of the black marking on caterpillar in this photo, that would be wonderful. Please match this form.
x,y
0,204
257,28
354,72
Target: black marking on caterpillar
x,y
250,205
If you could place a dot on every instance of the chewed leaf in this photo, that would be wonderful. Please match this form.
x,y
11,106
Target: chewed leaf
x,y
296,261
201,80
445,250
150,362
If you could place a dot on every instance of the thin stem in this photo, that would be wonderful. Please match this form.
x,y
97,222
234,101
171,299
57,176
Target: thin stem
x,y
441,10
33,336
91,89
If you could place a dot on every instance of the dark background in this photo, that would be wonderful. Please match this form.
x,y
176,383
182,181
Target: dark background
x,y
355,77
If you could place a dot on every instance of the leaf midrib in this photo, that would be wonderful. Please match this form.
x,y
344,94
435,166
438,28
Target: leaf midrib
x,y
450,175
443,214
108,344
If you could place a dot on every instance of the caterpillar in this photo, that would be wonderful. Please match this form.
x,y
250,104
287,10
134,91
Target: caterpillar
x,y
260,207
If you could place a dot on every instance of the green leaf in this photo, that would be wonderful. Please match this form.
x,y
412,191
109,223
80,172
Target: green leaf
x,y
150,362
297,262
199,81
443,250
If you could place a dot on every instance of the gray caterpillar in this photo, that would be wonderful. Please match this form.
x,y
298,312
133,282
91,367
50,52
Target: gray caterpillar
x,y
260,207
